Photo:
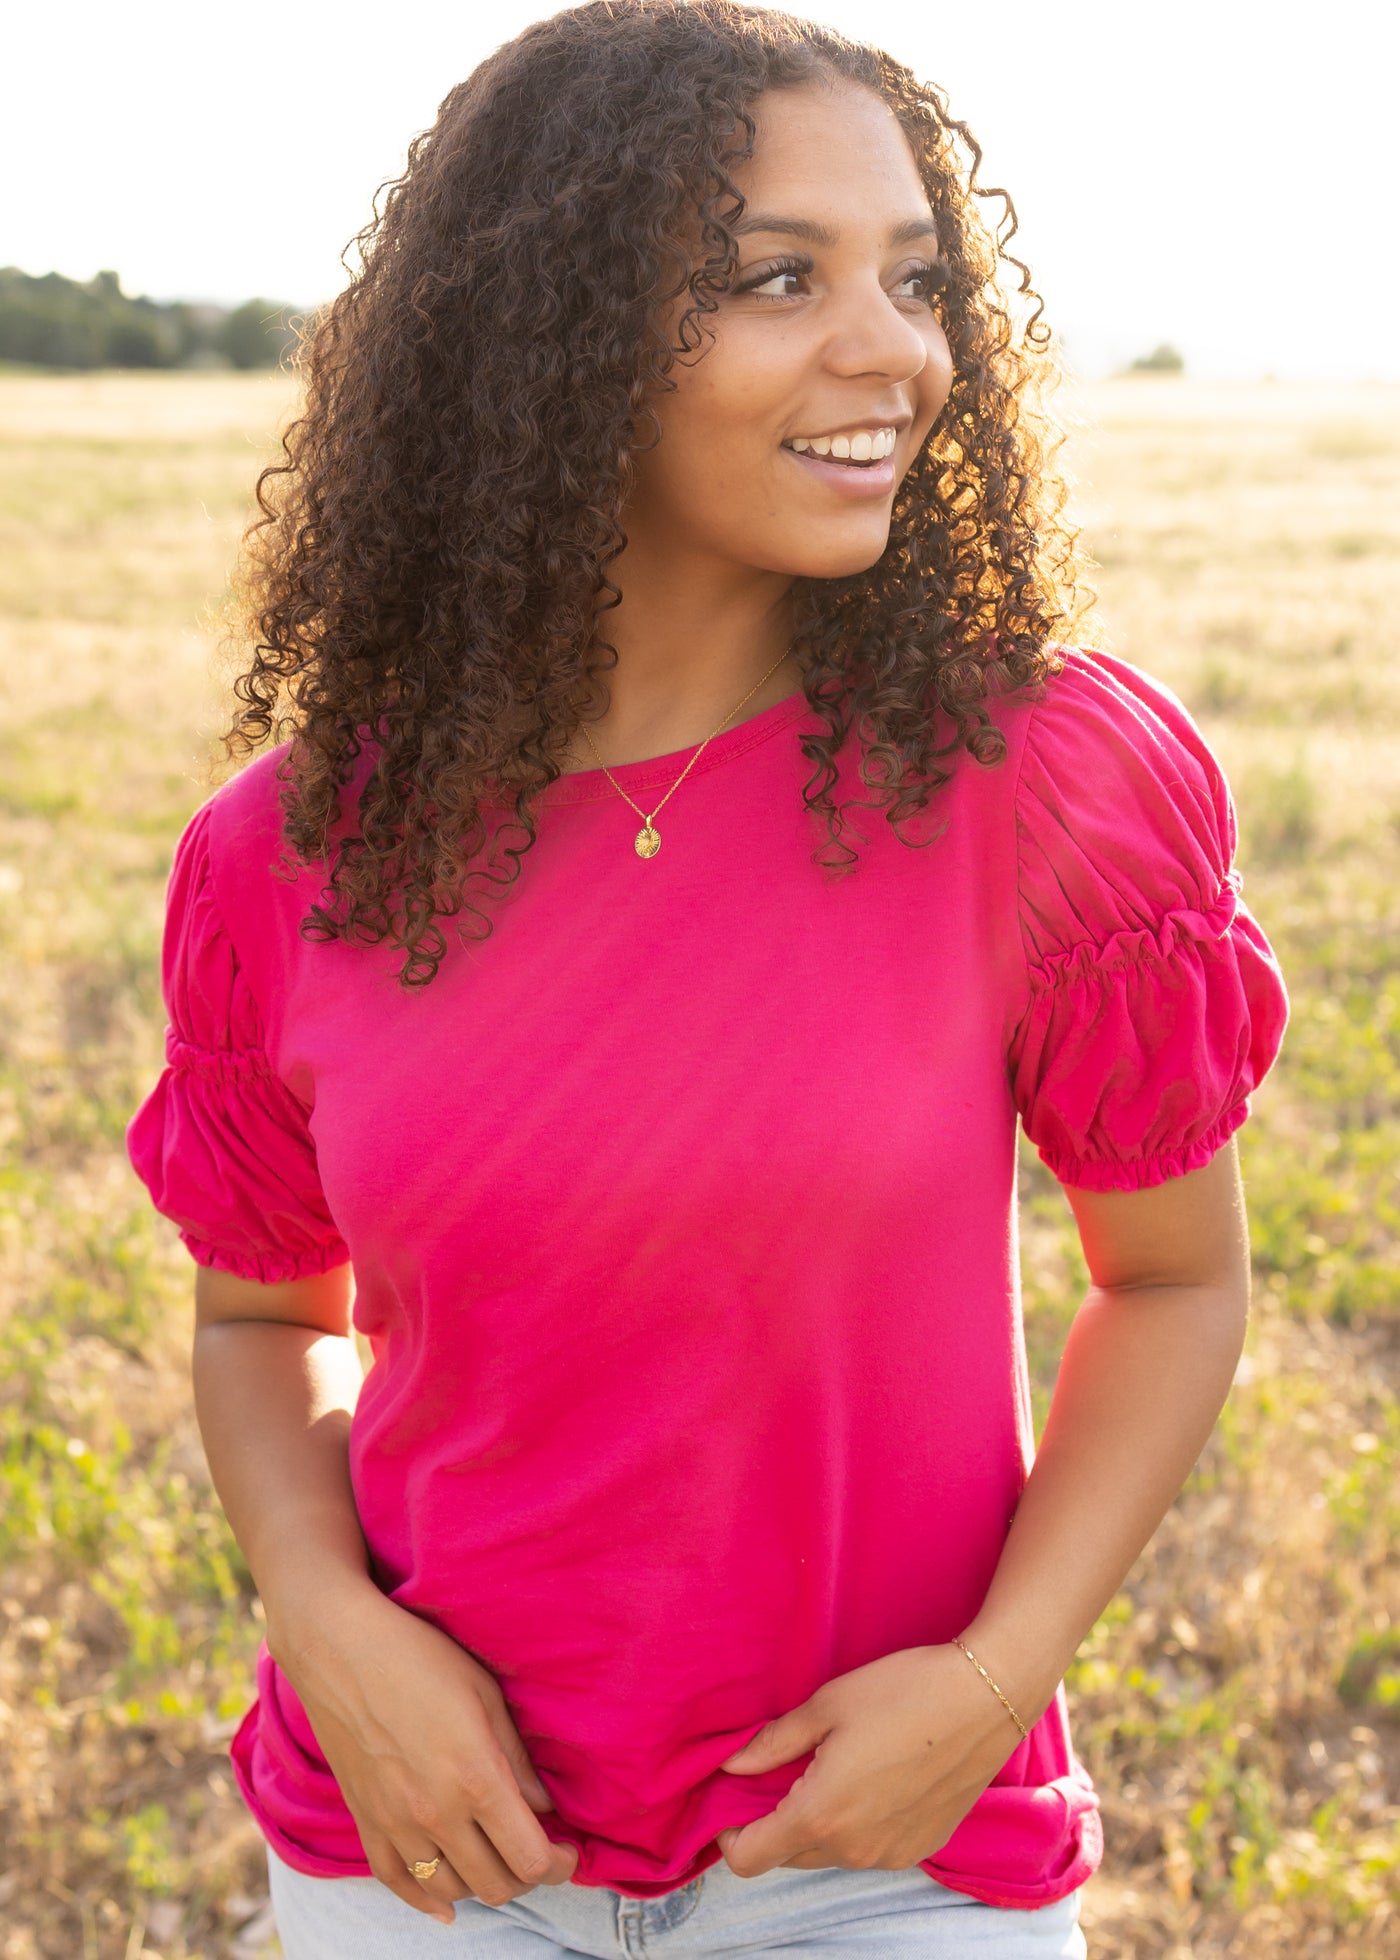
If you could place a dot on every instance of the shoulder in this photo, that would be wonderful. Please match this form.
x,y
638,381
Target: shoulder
x,y
223,893
1102,715
236,839
1123,812
234,823
242,820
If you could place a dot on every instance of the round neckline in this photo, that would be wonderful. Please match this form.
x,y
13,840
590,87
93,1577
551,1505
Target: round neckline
x,y
660,771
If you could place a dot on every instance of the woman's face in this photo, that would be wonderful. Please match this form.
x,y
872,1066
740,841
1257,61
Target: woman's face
x,y
820,336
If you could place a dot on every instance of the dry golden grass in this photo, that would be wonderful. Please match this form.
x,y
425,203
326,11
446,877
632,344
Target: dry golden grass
x,y
1238,1703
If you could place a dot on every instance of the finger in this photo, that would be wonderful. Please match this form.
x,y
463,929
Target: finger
x,y
482,1866
516,1754
518,1837
391,1869
509,1741
446,1884
784,1835
780,1741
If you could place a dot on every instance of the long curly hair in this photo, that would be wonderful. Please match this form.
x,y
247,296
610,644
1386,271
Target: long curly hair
x,y
425,581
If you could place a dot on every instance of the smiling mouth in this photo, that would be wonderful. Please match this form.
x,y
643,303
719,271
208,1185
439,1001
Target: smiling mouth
x,y
820,457
865,448
875,478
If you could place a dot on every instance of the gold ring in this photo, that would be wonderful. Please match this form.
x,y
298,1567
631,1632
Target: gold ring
x,y
425,1867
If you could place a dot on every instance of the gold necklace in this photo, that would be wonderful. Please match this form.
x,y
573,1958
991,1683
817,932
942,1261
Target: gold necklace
x,y
648,838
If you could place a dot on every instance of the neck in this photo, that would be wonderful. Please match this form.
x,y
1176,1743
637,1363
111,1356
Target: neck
x,y
688,651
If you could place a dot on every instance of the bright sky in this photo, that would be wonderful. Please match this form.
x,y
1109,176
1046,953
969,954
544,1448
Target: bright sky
x,y
1220,174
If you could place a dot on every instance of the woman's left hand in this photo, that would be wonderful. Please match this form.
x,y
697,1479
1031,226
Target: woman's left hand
x,y
904,1748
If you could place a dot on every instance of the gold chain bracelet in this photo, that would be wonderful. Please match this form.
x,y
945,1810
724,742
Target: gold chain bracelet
x,y
1025,1732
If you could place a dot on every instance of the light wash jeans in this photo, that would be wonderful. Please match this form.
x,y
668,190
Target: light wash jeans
x,y
830,1912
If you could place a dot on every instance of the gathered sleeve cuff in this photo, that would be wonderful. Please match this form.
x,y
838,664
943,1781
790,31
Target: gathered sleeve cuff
x,y
221,1143
1155,1003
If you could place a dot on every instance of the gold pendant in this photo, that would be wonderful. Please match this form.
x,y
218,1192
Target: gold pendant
x,y
648,841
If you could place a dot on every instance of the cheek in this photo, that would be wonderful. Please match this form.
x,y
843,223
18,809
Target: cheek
x,y
715,428
936,379
732,399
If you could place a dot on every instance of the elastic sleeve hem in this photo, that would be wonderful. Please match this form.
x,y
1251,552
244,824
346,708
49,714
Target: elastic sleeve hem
x,y
270,1268
218,1066
1143,1173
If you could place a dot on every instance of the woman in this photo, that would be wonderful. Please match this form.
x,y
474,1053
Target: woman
x,y
677,1580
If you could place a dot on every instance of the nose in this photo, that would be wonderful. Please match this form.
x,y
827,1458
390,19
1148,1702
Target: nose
x,y
869,334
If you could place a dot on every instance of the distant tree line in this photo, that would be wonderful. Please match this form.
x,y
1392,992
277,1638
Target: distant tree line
x,y
1164,359
65,323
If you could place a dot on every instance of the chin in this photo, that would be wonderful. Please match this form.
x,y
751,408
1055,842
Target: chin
x,y
837,560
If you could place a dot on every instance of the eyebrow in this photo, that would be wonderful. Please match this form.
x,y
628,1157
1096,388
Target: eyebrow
x,y
819,234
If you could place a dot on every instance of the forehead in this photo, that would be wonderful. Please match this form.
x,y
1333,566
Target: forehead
x,y
834,145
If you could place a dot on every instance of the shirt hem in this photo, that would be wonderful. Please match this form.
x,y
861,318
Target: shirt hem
x,y
1005,1893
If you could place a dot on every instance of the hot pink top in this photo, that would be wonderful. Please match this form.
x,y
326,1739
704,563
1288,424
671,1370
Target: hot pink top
x,y
682,1213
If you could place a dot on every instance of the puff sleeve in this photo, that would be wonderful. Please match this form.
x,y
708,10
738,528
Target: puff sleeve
x,y
1155,1002
220,1142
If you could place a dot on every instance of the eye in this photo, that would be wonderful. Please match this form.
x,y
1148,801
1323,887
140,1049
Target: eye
x,y
932,278
784,269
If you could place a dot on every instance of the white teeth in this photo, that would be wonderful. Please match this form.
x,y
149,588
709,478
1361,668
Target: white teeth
x,y
862,448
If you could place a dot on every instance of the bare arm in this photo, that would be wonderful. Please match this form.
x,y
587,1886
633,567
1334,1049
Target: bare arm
x,y
1147,1367
415,1729
276,1376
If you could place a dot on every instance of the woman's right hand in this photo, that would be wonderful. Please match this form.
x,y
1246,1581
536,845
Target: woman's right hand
x,y
429,1761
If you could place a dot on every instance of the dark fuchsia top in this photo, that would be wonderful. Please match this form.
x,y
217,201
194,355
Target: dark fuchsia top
x,y
682,1212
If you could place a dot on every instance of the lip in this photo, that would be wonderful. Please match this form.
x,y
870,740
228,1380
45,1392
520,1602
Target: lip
x,y
875,480
899,423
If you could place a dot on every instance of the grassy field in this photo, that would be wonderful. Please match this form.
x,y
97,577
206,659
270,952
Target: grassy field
x,y
1239,1703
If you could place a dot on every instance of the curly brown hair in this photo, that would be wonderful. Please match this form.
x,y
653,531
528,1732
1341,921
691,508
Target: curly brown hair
x,y
423,583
